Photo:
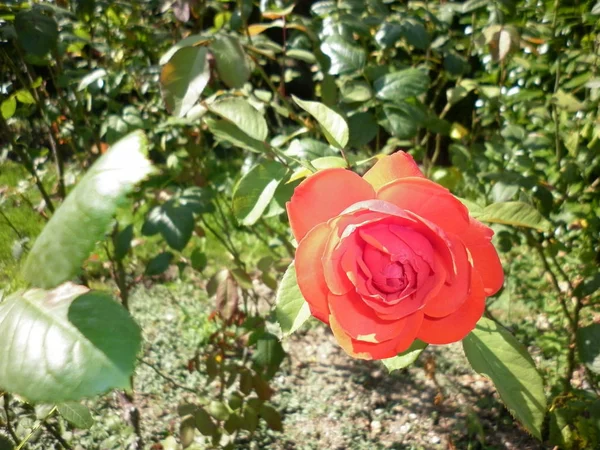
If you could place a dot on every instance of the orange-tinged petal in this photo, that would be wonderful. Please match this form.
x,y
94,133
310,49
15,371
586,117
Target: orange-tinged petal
x,y
323,196
309,271
457,325
391,168
452,295
360,322
386,349
478,240
428,200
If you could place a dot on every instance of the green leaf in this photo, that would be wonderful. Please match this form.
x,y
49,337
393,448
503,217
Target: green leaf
x,y
76,414
240,113
401,85
406,358
158,264
226,131
363,128
494,352
204,422
518,214
123,242
403,119
344,56
388,34
271,416
36,32
83,218
332,124
8,107
174,223
198,260
65,344
588,346
194,39
255,190
24,96
291,309
184,78
472,5
415,34
231,61
355,91
269,353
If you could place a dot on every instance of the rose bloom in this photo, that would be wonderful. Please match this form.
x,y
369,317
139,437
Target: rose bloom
x,y
390,257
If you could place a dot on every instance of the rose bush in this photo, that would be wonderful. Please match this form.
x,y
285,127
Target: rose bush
x,y
390,257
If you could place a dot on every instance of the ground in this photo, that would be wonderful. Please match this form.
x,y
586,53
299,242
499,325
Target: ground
x,y
329,400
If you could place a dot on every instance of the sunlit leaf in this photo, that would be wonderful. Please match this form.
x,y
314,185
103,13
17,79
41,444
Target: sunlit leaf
x,y
401,85
518,214
184,78
243,115
332,124
494,352
232,64
291,309
76,414
65,344
406,358
254,192
227,131
84,217
344,56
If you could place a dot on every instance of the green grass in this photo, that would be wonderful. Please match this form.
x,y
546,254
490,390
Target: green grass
x,y
18,220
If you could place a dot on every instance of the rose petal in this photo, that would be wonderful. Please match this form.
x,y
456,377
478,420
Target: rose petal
x,y
359,321
323,196
387,349
390,168
452,295
457,325
309,271
434,234
414,302
428,200
478,240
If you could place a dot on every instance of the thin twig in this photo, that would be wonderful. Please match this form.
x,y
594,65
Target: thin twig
x,y
9,427
166,377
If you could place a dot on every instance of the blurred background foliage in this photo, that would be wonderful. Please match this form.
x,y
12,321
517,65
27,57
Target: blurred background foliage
x,y
498,100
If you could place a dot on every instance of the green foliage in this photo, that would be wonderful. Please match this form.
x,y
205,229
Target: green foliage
x,y
71,343
496,101
495,353
333,125
291,308
76,414
406,358
183,79
255,191
83,218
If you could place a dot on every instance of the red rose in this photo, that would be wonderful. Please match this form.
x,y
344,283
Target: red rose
x,y
390,257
